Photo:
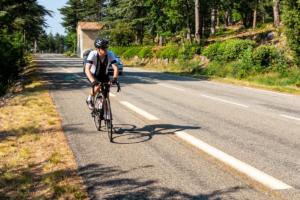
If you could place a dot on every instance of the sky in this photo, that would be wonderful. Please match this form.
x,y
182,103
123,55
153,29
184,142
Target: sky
x,y
55,21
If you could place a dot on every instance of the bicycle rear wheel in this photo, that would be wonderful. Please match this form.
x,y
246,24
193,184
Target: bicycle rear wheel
x,y
108,120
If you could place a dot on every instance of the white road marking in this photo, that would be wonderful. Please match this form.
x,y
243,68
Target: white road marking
x,y
224,101
139,111
112,95
59,60
203,95
290,117
171,86
66,70
240,166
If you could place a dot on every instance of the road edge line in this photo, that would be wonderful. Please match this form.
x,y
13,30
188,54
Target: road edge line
x,y
236,164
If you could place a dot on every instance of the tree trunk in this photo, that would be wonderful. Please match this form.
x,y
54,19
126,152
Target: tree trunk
x,y
188,34
218,19
213,21
254,17
197,21
229,17
226,19
276,12
161,40
188,23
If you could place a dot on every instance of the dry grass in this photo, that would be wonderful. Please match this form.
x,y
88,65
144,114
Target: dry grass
x,y
35,160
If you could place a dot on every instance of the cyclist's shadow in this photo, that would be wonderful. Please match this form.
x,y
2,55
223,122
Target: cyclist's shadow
x,y
131,134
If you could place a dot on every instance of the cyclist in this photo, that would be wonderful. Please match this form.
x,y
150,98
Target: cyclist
x,y
96,68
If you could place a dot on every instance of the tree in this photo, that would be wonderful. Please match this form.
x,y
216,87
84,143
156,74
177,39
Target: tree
x,y
291,20
197,21
21,22
276,12
72,13
93,10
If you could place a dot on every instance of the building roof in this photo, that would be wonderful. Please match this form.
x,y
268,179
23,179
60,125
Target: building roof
x,y
89,25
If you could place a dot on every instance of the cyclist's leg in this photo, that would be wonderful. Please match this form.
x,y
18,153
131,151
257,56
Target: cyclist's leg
x,y
89,99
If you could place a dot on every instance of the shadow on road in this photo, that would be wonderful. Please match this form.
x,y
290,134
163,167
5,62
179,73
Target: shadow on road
x,y
112,183
131,134
57,79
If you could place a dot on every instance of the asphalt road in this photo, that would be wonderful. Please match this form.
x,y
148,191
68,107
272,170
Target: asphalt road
x,y
149,161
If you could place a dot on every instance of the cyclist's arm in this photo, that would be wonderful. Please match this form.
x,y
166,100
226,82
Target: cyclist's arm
x,y
88,72
113,61
116,70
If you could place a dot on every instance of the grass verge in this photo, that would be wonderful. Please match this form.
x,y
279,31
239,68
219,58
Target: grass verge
x,y
270,81
35,160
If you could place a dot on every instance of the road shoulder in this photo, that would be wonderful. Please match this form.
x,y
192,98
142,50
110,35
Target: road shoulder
x,y
36,161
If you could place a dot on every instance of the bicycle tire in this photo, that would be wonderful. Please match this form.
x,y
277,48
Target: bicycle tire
x,y
108,120
96,115
97,120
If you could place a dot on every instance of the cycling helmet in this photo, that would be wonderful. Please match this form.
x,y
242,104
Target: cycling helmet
x,y
101,43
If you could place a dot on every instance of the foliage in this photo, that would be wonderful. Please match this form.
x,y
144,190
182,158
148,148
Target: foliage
x,y
188,51
291,20
118,50
170,52
146,52
239,59
47,43
131,52
121,35
269,58
21,22
228,50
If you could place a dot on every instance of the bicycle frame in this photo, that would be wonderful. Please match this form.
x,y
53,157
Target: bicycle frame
x,y
105,109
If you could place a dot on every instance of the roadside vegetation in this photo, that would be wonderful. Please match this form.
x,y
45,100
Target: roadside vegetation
x,y
35,160
246,42
20,24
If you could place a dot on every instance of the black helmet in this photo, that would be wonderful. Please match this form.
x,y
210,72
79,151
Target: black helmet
x,y
101,43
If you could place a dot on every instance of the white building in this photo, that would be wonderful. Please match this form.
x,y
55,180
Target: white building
x,y
87,32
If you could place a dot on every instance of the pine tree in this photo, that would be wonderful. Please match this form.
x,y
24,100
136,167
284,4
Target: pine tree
x,y
72,13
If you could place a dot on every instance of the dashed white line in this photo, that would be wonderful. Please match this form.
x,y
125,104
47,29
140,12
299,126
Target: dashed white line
x,y
171,86
203,95
224,101
139,111
66,70
240,166
71,60
290,117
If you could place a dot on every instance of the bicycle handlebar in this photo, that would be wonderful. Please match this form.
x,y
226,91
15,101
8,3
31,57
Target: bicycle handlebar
x,y
98,83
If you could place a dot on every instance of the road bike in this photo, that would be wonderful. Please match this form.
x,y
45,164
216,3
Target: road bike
x,y
102,108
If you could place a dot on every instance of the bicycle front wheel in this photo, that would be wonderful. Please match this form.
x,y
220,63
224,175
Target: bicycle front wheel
x,y
97,120
97,113
108,120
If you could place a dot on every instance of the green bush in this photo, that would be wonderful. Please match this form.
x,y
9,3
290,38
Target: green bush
x,y
146,52
118,50
131,52
268,58
170,52
244,66
187,51
228,50
212,51
291,21
12,56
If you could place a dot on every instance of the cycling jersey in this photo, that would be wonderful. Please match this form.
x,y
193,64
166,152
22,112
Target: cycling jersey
x,y
99,66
